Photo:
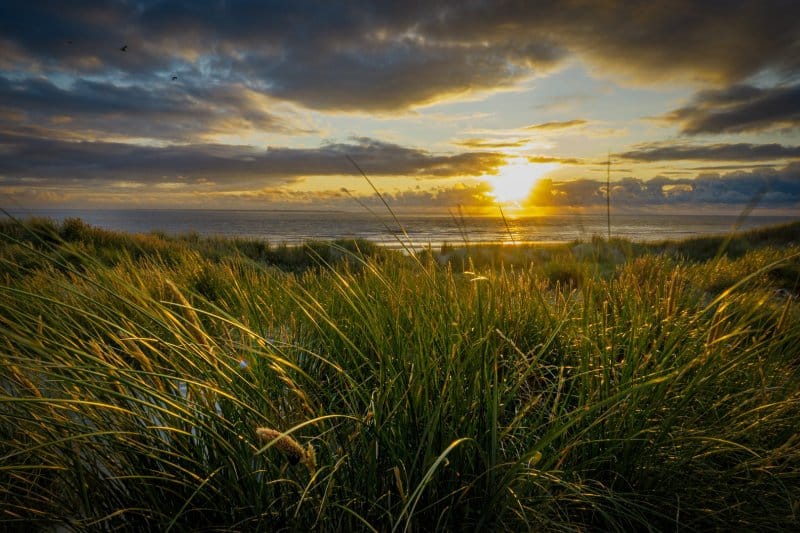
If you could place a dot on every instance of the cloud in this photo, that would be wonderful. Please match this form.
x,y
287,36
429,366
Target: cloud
x,y
493,143
343,56
77,111
775,188
739,108
720,43
58,162
366,56
387,77
163,110
444,197
556,125
710,152
562,160
710,168
473,198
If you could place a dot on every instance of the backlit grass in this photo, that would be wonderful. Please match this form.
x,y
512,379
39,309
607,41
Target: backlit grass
x,y
642,389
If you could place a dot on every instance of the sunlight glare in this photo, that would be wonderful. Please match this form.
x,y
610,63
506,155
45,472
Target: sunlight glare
x,y
514,181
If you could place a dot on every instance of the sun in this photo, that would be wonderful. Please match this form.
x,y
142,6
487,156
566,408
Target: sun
x,y
514,181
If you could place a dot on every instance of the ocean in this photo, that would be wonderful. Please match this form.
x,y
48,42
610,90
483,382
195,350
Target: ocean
x,y
295,227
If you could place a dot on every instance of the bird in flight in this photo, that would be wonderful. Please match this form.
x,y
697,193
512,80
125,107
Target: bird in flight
x,y
124,48
174,78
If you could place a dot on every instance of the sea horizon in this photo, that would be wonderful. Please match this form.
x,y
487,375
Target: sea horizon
x,y
295,226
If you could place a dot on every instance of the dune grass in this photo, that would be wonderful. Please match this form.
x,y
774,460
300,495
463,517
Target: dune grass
x,y
154,383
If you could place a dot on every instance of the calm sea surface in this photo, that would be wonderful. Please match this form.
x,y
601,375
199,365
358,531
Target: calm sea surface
x,y
293,227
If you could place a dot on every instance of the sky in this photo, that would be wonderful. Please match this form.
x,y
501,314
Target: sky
x,y
528,106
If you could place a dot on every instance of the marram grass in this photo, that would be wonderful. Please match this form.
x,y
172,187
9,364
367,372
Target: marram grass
x,y
157,384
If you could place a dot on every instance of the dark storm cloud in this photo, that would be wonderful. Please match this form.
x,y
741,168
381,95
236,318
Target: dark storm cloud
x,y
740,108
385,56
714,40
325,55
77,36
711,152
60,162
164,110
387,77
774,188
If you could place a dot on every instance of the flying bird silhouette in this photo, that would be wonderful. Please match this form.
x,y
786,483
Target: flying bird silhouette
x,y
174,78
124,48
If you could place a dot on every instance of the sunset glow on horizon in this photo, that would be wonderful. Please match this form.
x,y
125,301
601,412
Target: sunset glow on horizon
x,y
514,181
258,106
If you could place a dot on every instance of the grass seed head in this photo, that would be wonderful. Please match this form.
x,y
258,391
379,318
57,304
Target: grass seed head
x,y
290,447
